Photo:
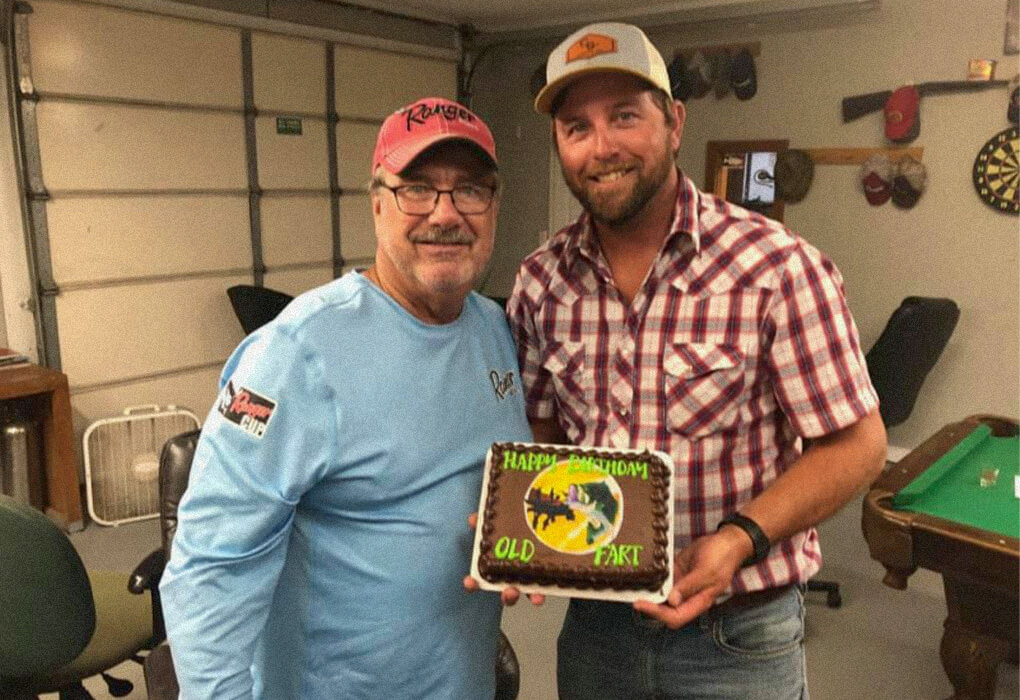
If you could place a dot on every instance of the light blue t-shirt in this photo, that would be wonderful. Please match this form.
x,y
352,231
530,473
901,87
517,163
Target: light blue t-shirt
x,y
323,539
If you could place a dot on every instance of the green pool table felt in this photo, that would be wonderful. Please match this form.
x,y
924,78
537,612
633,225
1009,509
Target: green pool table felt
x,y
951,487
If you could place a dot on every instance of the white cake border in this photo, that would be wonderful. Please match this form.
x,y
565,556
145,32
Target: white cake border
x,y
606,594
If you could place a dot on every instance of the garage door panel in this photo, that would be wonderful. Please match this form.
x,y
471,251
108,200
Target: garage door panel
x,y
140,236
295,230
355,145
295,282
88,50
289,73
92,147
292,160
397,79
357,228
195,391
157,327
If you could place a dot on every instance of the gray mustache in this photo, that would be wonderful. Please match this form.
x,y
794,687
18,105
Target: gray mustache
x,y
452,236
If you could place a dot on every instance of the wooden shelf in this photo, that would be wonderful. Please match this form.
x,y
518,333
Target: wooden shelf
x,y
708,51
856,156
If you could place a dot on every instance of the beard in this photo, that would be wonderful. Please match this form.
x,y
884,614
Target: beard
x,y
612,209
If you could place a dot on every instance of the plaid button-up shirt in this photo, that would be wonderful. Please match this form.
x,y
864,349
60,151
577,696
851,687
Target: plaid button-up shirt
x,y
738,341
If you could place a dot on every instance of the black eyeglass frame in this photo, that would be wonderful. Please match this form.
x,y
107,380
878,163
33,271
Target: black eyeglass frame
x,y
435,200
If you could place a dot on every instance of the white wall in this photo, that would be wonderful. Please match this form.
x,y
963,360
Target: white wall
x,y
950,244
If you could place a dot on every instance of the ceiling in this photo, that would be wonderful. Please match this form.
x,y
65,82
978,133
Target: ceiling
x,y
493,16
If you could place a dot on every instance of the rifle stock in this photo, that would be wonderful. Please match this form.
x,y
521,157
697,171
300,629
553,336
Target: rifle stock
x,y
857,106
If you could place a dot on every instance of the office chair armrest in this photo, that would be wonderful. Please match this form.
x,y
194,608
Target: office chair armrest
x,y
146,575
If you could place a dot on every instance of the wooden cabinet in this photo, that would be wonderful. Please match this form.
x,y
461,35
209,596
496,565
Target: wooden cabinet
x,y
45,392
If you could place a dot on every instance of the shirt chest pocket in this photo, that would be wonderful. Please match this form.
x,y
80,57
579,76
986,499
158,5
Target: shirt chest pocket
x,y
702,385
572,378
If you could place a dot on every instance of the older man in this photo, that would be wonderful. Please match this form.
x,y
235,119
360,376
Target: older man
x,y
319,553
667,318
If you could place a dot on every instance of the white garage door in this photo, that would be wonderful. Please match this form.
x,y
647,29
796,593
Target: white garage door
x,y
167,159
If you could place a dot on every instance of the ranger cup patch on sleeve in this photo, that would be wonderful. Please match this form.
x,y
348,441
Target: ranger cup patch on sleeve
x,y
246,409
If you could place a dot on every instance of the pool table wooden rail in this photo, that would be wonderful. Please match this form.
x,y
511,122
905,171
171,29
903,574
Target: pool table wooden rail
x,y
980,569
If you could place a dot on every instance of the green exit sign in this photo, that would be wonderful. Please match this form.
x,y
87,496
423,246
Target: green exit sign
x,y
288,125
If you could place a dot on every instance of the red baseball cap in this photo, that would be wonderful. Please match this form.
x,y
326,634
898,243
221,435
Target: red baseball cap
x,y
876,190
876,179
424,123
902,115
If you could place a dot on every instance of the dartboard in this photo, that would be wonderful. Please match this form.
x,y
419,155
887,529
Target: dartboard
x,y
996,174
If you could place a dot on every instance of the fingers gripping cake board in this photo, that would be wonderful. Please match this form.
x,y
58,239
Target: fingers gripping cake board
x,y
584,522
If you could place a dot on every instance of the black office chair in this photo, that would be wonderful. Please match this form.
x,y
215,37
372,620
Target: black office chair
x,y
256,306
60,624
160,679
898,363
910,345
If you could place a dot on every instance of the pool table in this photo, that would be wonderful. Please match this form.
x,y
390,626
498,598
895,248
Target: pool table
x,y
931,510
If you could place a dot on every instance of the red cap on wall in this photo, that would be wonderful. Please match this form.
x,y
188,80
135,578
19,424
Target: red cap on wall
x,y
902,115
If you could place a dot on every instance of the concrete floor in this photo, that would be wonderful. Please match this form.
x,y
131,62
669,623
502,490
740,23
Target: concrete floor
x,y
881,645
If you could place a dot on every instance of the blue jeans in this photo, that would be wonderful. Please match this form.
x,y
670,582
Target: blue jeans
x,y
607,651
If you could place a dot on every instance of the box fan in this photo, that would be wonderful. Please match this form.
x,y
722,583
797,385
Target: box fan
x,y
122,461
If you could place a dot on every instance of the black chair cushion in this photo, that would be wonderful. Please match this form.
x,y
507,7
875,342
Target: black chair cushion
x,y
910,345
174,467
256,306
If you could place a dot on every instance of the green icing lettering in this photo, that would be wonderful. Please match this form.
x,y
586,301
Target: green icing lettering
x,y
613,467
510,549
618,555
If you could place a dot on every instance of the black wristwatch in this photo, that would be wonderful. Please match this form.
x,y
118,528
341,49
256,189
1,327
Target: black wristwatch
x,y
758,539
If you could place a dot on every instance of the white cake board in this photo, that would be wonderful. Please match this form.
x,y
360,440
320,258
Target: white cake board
x,y
658,596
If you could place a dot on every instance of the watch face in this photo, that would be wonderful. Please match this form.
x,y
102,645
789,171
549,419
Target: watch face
x,y
996,175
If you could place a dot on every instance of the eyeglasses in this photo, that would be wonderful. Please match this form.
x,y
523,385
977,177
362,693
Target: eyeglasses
x,y
421,200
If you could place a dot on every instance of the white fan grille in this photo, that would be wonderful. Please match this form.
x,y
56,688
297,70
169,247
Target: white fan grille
x,y
121,462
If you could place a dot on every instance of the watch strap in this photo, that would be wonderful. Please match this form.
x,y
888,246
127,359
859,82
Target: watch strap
x,y
759,540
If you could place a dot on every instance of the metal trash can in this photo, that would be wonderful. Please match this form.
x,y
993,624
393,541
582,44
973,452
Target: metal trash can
x,y
20,466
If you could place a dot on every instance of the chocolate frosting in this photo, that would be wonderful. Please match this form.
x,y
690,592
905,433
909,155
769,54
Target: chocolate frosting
x,y
645,523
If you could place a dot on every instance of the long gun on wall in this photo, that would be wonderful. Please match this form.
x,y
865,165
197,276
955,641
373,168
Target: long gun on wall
x,y
857,106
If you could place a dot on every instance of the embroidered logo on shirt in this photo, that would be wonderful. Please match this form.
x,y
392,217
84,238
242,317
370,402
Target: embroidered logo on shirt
x,y
503,386
246,409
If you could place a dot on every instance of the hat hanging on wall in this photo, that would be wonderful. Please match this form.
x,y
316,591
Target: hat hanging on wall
x,y
743,77
679,79
699,73
903,115
909,182
722,73
794,172
876,179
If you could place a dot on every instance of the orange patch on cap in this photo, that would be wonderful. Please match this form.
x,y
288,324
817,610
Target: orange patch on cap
x,y
590,46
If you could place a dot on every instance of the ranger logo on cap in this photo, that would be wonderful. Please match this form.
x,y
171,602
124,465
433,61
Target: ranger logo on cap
x,y
590,46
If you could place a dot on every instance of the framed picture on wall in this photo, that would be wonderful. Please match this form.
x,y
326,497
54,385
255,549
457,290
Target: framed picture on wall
x,y
743,172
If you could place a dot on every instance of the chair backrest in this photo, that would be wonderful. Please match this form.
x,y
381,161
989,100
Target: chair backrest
x,y
47,613
910,345
256,306
174,468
